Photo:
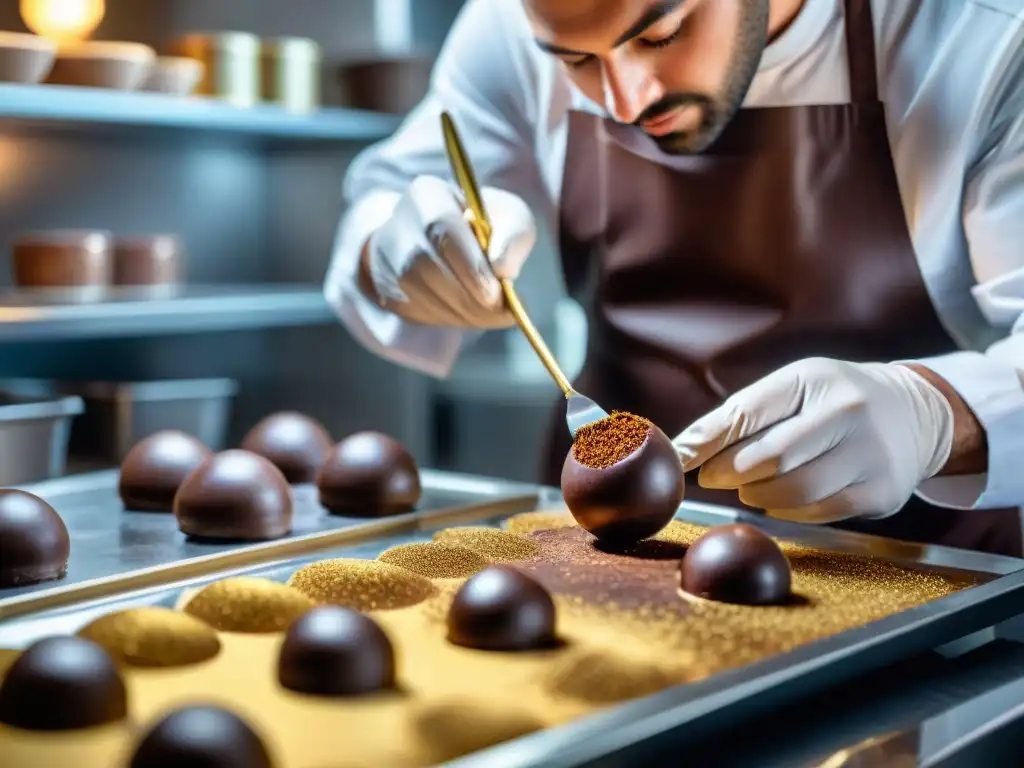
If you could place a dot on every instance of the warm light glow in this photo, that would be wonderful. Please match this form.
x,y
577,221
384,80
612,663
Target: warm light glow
x,y
63,21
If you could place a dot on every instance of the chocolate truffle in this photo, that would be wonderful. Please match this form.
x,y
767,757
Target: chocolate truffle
x,y
622,480
335,651
34,543
155,468
502,609
369,475
234,495
296,444
60,684
736,564
201,737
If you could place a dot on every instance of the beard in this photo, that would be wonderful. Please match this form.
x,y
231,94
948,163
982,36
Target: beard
x,y
717,111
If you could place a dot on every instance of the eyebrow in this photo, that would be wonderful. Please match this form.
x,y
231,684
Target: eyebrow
x,y
651,16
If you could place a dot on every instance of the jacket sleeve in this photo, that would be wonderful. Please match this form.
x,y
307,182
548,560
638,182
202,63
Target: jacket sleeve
x,y
992,383
478,77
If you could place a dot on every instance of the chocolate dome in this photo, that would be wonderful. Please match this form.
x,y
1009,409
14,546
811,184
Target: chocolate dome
x,y
369,475
736,564
155,468
201,737
34,542
295,443
235,495
502,609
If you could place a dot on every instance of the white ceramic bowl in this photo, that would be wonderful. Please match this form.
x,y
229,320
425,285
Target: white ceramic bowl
x,y
25,58
177,75
101,64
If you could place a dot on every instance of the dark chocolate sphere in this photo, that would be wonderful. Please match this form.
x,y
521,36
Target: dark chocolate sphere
x,y
736,564
335,651
155,468
60,684
235,495
629,500
502,609
201,737
369,475
296,444
34,543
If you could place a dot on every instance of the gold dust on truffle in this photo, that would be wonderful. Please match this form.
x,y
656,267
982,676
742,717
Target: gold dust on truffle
x,y
603,676
494,544
153,637
449,730
526,523
365,585
248,604
435,561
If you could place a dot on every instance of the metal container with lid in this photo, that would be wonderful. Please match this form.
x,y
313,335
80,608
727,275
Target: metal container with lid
x,y
231,62
393,85
290,73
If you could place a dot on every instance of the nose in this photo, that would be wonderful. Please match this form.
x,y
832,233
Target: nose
x,y
629,89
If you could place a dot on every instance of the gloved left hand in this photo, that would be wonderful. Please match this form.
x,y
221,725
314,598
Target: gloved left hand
x,y
824,440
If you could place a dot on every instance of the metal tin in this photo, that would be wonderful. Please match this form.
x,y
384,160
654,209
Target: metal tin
x,y
231,61
393,86
34,433
290,73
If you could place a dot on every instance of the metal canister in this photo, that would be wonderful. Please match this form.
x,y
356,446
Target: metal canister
x,y
291,73
232,64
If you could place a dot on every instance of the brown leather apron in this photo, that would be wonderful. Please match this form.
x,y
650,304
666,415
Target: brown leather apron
x,y
785,240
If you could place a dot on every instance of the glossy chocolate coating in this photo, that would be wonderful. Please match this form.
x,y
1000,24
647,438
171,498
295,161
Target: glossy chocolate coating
x,y
62,683
34,542
201,737
155,468
296,444
630,500
335,651
235,495
369,475
736,564
502,609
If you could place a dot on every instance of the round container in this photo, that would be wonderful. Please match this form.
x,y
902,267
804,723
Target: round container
x,y
25,58
120,66
231,62
62,259
150,260
176,75
386,85
290,73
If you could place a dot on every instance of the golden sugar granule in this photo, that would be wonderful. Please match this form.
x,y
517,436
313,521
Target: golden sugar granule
x,y
153,637
494,544
445,731
526,523
435,561
678,532
248,604
604,677
609,440
365,585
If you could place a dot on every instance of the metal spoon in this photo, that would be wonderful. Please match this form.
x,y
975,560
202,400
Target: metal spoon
x,y
580,410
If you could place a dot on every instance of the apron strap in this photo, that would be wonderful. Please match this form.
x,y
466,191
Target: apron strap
x,y
860,51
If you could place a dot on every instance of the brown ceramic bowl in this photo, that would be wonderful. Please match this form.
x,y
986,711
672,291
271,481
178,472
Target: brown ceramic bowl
x,y
62,259
386,85
119,66
151,260
177,75
25,58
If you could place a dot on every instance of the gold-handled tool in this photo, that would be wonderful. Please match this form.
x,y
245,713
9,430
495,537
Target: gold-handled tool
x,y
580,410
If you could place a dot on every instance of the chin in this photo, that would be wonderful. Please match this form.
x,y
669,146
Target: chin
x,y
689,142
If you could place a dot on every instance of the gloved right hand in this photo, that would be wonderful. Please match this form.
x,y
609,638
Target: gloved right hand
x,y
426,265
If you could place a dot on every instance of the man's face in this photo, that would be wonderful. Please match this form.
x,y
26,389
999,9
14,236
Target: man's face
x,y
678,69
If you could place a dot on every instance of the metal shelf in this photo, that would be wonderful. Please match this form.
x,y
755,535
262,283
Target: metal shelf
x,y
97,108
28,316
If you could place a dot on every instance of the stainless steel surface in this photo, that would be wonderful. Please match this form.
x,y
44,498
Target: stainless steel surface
x,y
34,433
116,550
128,312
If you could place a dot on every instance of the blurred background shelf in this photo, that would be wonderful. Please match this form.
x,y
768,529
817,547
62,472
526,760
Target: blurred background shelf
x,y
55,106
130,313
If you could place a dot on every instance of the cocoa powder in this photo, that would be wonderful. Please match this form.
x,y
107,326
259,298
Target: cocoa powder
x,y
609,440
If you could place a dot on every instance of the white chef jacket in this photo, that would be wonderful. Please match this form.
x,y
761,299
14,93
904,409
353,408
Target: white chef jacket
x,y
951,74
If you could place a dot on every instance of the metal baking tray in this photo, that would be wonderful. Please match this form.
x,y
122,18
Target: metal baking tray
x,y
34,434
113,550
635,731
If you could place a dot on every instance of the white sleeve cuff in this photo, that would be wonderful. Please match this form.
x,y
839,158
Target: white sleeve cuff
x,y
995,393
426,349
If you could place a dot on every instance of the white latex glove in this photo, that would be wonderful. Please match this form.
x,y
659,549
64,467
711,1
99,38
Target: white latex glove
x,y
823,440
427,266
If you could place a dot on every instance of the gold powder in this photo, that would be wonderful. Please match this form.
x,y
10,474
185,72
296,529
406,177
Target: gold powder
x,y
364,585
435,561
248,604
153,637
528,522
449,730
605,677
494,544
